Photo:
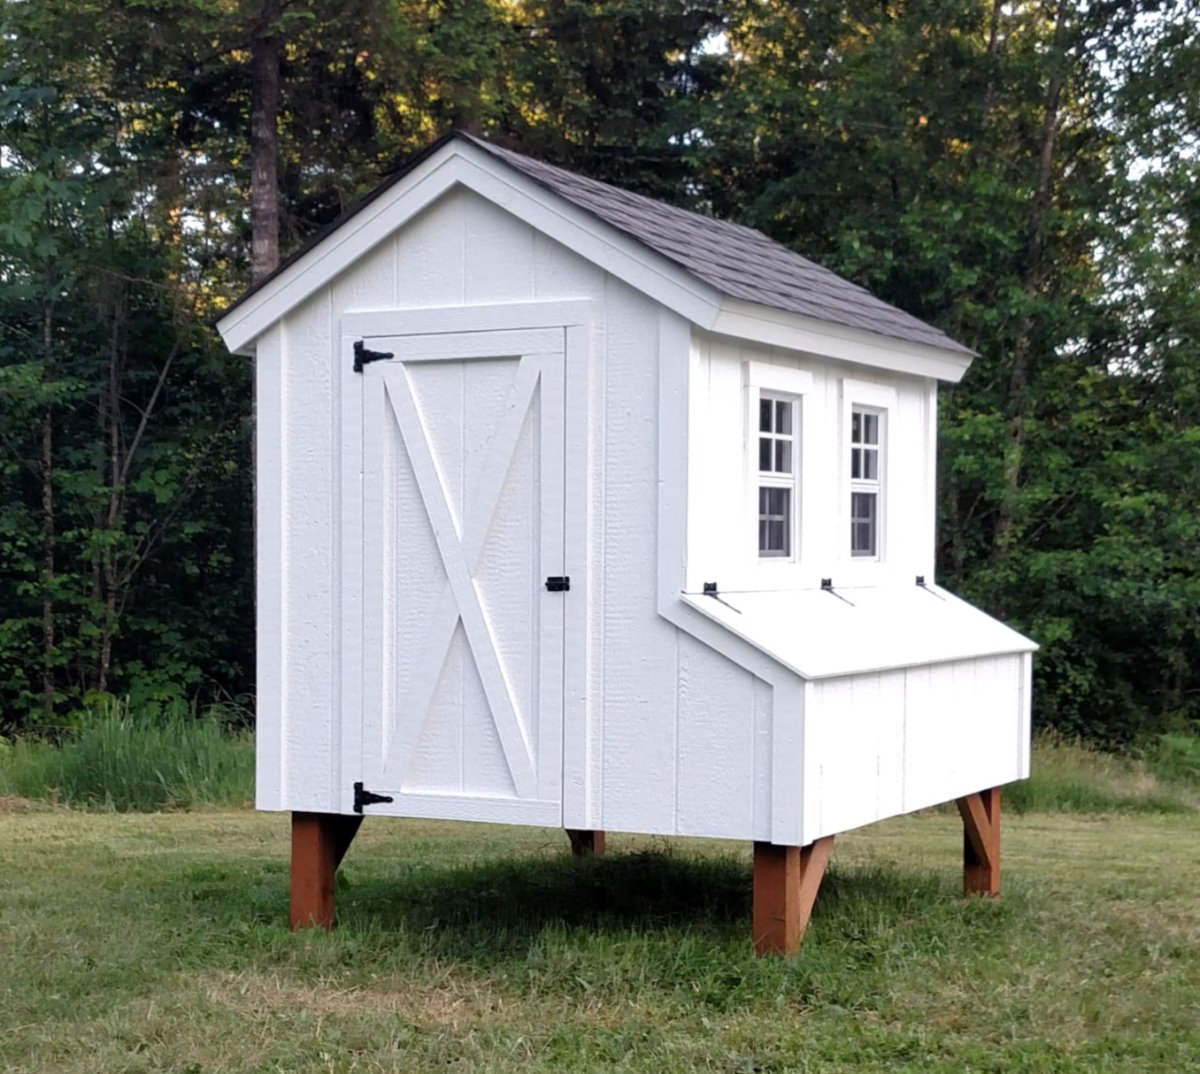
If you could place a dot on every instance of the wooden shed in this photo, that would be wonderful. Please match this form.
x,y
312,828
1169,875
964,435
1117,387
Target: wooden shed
x,y
576,509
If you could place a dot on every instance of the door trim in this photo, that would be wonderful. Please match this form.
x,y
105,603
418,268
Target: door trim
x,y
572,321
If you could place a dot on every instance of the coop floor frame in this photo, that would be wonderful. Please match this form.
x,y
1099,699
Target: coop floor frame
x,y
462,332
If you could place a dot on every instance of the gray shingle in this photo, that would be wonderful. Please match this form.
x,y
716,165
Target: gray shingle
x,y
735,260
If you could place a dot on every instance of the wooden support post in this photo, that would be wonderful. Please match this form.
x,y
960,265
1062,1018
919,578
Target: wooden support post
x,y
586,842
786,880
319,842
981,842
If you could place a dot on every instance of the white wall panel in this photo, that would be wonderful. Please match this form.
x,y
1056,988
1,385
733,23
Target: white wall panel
x,y
886,743
718,744
966,728
310,689
430,256
499,254
639,650
270,391
855,745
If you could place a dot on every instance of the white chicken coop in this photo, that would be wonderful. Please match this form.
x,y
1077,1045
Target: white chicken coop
x,y
576,509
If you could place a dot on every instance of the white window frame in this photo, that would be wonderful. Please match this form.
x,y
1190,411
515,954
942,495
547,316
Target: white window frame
x,y
787,384
778,480
868,486
881,400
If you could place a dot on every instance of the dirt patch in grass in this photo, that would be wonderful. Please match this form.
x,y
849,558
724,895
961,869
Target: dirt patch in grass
x,y
13,803
452,1003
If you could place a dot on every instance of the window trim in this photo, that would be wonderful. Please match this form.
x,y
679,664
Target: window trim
x,y
875,399
791,385
782,480
870,486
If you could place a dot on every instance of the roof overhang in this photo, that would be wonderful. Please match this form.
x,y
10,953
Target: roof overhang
x,y
778,328
457,164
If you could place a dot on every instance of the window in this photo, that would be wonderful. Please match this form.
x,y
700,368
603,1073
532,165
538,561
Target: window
x,y
776,475
866,486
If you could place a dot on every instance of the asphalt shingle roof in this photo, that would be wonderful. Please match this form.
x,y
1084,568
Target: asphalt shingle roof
x,y
737,261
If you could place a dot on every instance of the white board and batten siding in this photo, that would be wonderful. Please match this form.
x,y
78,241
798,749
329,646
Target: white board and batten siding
x,y
674,733
542,415
880,744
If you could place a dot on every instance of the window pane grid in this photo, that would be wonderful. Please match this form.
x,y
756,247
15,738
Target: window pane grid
x,y
778,422
774,521
775,419
865,482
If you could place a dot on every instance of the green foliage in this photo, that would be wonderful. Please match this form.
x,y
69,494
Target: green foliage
x,y
1024,175
123,759
979,165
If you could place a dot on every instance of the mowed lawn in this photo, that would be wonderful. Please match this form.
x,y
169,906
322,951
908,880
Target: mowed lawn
x,y
158,943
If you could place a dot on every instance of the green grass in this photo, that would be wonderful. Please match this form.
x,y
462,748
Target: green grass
x,y
119,761
157,943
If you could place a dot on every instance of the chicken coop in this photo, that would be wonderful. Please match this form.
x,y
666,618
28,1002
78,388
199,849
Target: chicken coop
x,y
579,510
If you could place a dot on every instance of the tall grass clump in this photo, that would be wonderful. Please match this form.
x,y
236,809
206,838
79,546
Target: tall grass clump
x,y
134,762
1069,776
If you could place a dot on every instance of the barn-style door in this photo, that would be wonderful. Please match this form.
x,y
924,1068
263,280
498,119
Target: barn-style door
x,y
462,524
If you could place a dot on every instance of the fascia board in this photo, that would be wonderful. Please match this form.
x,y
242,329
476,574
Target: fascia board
x,y
460,164
340,249
778,328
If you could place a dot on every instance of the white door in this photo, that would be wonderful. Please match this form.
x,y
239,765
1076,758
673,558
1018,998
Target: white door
x,y
462,526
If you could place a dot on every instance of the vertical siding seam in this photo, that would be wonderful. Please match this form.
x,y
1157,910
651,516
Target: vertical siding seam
x,y
600,445
335,548
282,687
464,253
396,255
675,732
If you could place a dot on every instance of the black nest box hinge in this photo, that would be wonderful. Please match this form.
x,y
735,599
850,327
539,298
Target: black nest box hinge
x,y
362,356
366,798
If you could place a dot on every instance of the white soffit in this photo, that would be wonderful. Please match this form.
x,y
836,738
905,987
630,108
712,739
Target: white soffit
x,y
820,634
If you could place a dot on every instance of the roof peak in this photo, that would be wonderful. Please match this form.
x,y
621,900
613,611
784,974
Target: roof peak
x,y
735,260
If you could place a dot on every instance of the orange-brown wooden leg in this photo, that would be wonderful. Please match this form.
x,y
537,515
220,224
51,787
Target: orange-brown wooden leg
x,y
981,842
786,881
319,842
586,842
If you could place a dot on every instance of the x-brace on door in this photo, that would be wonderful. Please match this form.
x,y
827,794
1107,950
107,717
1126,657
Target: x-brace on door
x,y
463,522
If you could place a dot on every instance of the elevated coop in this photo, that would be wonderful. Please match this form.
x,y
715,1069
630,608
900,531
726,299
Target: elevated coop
x,y
580,510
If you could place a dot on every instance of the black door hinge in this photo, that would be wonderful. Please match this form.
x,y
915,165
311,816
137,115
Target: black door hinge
x,y
558,583
362,356
364,798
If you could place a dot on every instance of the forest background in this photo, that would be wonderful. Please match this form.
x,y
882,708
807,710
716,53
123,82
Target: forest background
x,y
1023,174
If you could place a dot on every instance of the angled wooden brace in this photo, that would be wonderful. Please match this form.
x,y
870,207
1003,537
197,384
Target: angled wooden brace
x,y
786,881
981,842
319,842
586,842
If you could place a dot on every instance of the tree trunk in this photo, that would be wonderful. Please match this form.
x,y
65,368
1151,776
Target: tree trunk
x,y
48,525
116,490
993,46
264,143
1006,532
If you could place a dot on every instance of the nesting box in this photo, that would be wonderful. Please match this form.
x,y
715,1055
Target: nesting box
x,y
576,509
